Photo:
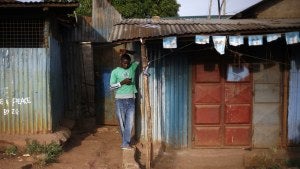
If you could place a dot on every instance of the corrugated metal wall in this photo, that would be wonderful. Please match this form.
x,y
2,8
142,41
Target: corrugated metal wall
x,y
294,99
106,58
82,31
78,82
56,83
169,86
104,17
266,105
24,90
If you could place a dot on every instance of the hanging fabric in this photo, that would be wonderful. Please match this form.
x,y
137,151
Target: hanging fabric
x,y
170,42
236,40
255,40
199,39
237,73
219,43
272,37
292,37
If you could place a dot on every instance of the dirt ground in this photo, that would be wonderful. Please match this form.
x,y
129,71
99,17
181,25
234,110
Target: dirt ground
x,y
100,149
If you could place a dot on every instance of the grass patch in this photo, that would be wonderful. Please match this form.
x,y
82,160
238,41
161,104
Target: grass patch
x,y
45,153
11,151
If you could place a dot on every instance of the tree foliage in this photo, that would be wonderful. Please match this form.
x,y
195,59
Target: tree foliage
x,y
146,8
85,7
135,8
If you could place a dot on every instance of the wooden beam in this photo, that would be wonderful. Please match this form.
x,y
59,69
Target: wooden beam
x,y
147,107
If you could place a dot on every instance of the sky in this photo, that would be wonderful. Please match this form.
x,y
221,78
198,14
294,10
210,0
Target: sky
x,y
200,7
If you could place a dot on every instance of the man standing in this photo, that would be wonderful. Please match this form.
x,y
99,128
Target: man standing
x,y
122,79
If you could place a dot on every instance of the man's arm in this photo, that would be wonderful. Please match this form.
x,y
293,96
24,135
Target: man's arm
x,y
113,81
114,84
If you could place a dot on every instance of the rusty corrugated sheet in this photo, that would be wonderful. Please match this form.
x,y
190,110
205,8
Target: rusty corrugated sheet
x,y
133,29
96,28
294,99
104,17
24,90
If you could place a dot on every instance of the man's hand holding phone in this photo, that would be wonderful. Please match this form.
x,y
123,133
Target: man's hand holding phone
x,y
126,81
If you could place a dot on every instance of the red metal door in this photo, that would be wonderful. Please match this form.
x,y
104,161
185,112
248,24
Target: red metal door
x,y
222,108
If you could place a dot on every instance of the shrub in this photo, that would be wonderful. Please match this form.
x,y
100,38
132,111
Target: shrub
x,y
50,151
11,151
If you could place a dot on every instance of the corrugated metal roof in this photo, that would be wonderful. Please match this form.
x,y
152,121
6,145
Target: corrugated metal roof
x,y
47,3
134,29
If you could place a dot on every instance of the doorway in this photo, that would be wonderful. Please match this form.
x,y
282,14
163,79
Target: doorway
x,y
222,105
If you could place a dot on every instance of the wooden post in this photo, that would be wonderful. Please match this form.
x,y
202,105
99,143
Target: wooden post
x,y
147,108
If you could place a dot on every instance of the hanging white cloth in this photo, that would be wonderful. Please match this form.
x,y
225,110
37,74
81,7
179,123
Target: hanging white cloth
x,y
272,37
292,37
237,73
170,42
199,39
219,43
255,40
236,40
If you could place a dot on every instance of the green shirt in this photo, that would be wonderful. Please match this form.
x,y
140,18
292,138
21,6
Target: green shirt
x,y
119,74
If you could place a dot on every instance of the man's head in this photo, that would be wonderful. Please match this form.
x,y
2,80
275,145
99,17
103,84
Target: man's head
x,y
125,61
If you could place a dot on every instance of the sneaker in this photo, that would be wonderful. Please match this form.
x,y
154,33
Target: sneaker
x,y
127,148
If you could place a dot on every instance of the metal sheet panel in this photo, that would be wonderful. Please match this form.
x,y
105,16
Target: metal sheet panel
x,y
56,83
169,98
134,29
78,80
208,93
222,110
104,17
24,88
238,93
266,112
265,73
236,114
207,114
266,136
106,58
294,99
237,136
267,92
208,136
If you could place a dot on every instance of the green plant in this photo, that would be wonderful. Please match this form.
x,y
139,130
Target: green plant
x,y
11,151
46,153
33,147
53,150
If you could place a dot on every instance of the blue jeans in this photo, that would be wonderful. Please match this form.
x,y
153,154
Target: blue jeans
x,y
125,109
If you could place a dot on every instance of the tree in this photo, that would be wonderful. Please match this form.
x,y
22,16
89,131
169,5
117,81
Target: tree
x,y
146,8
85,8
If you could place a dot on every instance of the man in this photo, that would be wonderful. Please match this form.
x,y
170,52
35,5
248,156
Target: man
x,y
122,79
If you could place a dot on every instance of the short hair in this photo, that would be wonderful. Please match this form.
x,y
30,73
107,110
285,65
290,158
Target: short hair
x,y
126,56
